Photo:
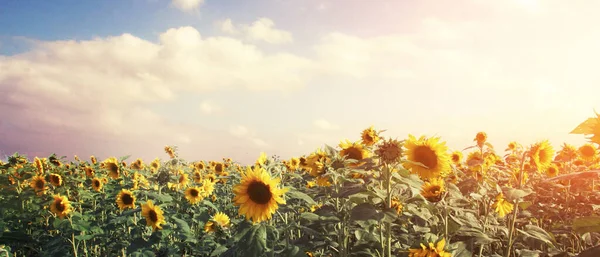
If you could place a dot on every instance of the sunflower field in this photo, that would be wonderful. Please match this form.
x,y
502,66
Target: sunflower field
x,y
376,196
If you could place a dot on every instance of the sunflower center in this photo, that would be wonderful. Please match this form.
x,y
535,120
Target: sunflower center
x,y
194,193
354,153
96,183
587,151
153,215
426,156
455,158
39,184
59,206
219,168
435,190
112,167
259,192
127,199
55,179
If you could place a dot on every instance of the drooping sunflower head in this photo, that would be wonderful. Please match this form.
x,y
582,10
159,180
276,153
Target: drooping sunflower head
x,y
93,159
112,166
38,165
60,206
501,206
588,152
38,183
219,220
369,136
258,195
54,161
170,151
97,184
480,138
541,154
389,151
354,151
193,195
429,152
456,157
432,189
125,199
138,164
153,214
55,179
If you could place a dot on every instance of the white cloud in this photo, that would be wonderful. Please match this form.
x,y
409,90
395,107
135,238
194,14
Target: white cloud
x,y
262,29
259,142
238,131
209,108
325,125
187,5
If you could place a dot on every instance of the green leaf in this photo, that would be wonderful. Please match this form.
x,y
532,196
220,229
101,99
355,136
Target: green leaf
x,y
538,233
348,191
365,211
586,224
525,205
182,225
295,194
514,194
84,237
586,127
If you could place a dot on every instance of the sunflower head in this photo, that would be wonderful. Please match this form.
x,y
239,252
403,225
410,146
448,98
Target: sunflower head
x,y
60,206
93,159
153,214
501,206
97,184
262,159
170,151
512,146
137,164
258,195
369,136
456,157
480,138
38,183
354,151
431,251
429,152
200,165
55,180
432,190
389,151
541,154
194,195
112,166
38,165
125,199
552,170
587,152
219,220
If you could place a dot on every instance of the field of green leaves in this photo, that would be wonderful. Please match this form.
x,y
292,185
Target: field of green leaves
x,y
375,196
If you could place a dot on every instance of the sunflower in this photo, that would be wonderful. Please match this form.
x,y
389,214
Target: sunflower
x,y
552,170
170,151
137,164
429,152
220,220
89,171
502,207
258,195
193,195
112,165
432,190
97,184
389,151
541,154
208,186
93,159
153,214
432,251
60,206
38,165
354,151
155,164
125,199
197,176
323,181
512,146
262,159
369,136
218,167
55,180
456,157
397,205
480,138
294,164
38,183
587,152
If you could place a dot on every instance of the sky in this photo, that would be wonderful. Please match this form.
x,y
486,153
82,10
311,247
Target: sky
x,y
236,78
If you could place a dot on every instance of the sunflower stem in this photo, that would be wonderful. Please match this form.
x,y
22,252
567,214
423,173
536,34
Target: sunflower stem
x,y
388,178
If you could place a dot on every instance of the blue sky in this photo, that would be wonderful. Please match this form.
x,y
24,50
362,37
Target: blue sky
x,y
234,78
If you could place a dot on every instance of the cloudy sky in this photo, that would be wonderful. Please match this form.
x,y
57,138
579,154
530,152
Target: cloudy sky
x,y
224,78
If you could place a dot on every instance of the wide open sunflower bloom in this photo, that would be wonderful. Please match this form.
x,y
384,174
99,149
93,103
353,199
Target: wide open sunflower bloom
x,y
125,199
153,214
38,183
97,184
194,195
430,152
369,136
354,151
60,206
432,190
432,251
258,195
